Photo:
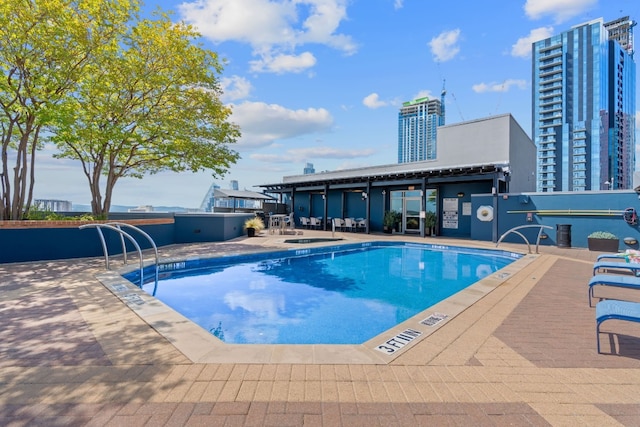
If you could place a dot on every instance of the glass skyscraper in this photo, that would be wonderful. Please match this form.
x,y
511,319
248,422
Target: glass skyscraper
x,y
584,107
417,123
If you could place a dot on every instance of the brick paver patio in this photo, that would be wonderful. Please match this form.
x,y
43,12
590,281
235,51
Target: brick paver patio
x,y
71,353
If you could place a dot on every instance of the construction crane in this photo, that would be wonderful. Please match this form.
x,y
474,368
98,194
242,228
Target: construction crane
x,y
442,109
457,107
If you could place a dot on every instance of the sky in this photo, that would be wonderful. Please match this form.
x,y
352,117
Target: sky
x,y
322,81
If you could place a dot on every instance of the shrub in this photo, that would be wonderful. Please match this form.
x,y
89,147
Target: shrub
x,y
602,235
255,223
391,218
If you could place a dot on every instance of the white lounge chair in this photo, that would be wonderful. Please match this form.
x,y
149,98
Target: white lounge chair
x,y
350,224
315,223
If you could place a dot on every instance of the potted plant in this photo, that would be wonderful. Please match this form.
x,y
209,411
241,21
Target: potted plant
x,y
390,220
430,223
603,241
253,225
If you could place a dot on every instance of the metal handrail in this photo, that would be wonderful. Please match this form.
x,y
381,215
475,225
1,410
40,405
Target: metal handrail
x,y
153,244
116,226
514,231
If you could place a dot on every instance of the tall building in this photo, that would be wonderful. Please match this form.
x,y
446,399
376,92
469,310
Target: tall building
x,y
308,169
208,202
52,205
583,112
417,124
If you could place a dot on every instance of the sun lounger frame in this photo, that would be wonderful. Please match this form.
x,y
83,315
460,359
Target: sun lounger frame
x,y
615,280
606,265
618,310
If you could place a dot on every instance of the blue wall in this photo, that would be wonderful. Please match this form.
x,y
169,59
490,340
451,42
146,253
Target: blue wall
x,y
512,209
49,243
464,221
191,228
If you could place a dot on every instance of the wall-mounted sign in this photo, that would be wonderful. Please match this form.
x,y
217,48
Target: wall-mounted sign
x,y
450,212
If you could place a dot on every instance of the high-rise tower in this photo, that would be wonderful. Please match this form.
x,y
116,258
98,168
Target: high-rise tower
x,y
584,107
417,123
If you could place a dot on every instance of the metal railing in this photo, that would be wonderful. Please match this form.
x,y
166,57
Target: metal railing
x,y
117,227
514,230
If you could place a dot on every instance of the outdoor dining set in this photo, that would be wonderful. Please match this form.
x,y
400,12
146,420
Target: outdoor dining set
x,y
281,223
337,224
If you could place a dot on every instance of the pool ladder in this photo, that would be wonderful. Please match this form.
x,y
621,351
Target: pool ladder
x,y
514,230
117,227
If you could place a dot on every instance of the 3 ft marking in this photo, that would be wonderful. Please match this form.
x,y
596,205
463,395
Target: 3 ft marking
x,y
399,341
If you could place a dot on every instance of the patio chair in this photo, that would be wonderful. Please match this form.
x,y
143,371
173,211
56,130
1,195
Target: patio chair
x,y
615,280
618,310
599,266
617,256
338,224
361,224
315,223
304,222
350,224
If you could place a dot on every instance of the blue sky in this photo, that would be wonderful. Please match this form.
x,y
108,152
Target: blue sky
x,y
321,81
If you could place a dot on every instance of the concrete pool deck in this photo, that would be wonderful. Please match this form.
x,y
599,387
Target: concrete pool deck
x,y
72,353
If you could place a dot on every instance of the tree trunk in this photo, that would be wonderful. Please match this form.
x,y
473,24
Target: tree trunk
x,y
23,178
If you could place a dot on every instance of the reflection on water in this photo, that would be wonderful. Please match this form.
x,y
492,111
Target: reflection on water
x,y
335,298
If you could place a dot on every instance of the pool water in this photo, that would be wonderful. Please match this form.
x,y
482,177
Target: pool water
x,y
342,295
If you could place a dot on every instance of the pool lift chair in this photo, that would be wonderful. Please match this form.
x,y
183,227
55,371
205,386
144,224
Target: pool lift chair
x,y
289,223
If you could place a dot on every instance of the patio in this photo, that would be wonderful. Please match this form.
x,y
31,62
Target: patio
x,y
71,353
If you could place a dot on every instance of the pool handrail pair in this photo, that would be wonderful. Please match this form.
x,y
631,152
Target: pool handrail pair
x,y
116,226
514,230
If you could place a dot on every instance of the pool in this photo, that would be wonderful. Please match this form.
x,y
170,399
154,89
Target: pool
x,y
344,294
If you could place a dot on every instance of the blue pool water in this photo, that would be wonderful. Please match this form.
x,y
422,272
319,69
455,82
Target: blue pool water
x,y
343,294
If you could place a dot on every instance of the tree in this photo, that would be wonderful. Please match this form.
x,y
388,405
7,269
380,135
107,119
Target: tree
x,y
150,105
45,47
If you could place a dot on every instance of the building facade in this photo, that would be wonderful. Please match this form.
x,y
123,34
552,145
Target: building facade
x,y
53,205
583,94
493,156
418,121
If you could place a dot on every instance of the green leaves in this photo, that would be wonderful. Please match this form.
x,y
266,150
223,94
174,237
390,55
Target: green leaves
x,y
47,46
125,96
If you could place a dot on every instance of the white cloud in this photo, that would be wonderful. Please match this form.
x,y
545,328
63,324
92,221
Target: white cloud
x,y
426,93
320,152
397,4
284,63
522,48
234,88
444,47
373,101
559,10
274,28
262,124
499,87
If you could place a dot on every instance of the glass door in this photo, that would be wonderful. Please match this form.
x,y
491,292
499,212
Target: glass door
x,y
411,215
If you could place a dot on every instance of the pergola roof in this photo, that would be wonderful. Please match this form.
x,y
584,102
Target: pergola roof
x,y
239,194
395,172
